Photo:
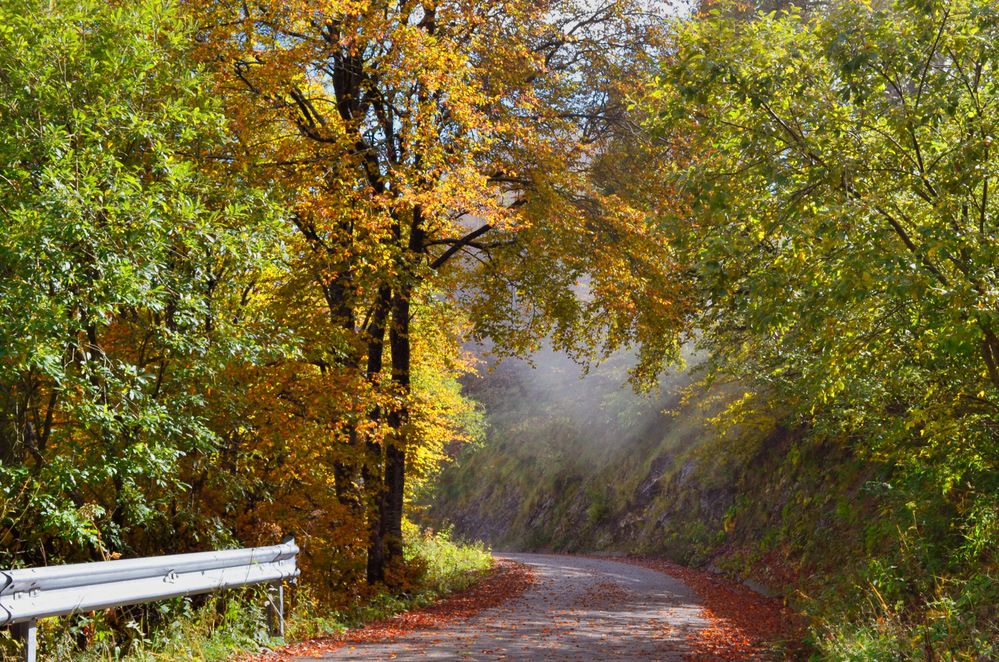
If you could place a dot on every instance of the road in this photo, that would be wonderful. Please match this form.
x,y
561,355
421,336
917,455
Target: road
x,y
577,609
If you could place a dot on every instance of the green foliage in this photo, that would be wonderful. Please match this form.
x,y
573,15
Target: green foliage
x,y
207,628
600,505
448,565
839,173
125,263
838,170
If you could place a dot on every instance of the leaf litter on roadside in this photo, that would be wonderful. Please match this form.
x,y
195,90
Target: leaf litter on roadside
x,y
507,580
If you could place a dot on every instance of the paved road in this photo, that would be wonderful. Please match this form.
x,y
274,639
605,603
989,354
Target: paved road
x,y
578,609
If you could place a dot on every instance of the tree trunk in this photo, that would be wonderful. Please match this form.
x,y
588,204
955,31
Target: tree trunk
x,y
342,315
371,469
387,553
395,451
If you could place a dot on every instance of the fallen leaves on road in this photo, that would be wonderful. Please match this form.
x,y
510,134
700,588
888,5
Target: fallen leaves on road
x,y
744,624
506,580
603,596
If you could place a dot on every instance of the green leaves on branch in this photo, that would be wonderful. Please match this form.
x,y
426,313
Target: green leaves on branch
x,y
840,174
123,258
841,177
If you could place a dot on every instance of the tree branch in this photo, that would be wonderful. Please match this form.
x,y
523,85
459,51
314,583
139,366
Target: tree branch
x,y
459,244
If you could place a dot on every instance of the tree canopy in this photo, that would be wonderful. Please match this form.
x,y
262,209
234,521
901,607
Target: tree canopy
x,y
126,263
839,173
444,152
246,245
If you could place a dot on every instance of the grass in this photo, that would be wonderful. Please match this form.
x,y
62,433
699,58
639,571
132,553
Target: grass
x,y
220,626
449,566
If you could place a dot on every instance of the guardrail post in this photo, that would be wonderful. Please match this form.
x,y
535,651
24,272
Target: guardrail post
x,y
27,633
275,602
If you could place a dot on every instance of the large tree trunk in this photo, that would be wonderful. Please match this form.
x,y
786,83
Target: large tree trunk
x,y
398,417
371,469
385,544
394,486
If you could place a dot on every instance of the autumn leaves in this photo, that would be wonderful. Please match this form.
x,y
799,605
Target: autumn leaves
x,y
431,160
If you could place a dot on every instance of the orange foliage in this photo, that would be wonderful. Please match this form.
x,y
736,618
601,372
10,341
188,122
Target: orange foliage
x,y
451,169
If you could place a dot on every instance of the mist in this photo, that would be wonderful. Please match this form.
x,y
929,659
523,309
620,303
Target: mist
x,y
595,402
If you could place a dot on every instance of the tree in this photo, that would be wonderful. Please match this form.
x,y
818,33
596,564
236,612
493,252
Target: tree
x,y
445,149
840,176
125,265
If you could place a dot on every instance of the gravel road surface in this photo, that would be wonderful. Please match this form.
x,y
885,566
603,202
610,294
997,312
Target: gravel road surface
x,y
578,609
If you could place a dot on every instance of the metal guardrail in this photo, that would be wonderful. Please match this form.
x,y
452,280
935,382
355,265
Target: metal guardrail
x,y
28,594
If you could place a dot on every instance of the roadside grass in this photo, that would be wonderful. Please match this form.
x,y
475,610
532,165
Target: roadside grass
x,y
448,566
958,623
225,625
